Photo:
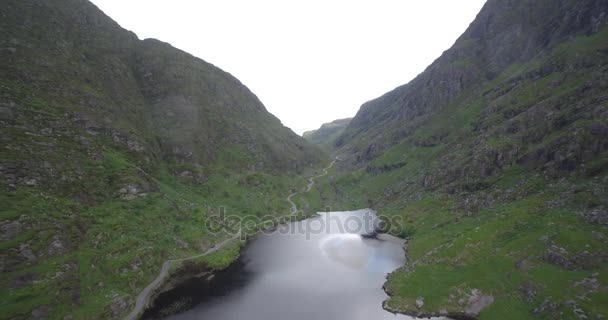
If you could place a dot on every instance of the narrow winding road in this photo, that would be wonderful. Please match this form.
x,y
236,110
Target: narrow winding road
x,y
144,296
143,299
311,182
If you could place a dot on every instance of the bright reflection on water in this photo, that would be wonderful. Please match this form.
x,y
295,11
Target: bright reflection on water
x,y
294,275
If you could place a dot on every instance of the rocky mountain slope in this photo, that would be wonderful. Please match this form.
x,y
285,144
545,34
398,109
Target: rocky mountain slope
x,y
496,159
114,151
327,134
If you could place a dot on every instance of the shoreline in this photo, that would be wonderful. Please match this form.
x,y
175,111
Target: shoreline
x,y
145,299
413,313
151,291
166,282
172,280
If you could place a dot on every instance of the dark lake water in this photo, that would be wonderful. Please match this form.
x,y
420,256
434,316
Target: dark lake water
x,y
321,268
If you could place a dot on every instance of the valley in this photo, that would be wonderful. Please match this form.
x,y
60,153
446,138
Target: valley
x,y
117,152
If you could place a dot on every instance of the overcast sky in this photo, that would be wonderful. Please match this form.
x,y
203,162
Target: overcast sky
x,y
309,61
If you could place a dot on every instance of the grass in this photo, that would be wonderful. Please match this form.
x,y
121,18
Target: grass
x,y
116,246
491,231
448,252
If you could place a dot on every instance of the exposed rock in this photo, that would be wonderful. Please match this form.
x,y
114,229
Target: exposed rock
x,y
528,292
477,302
132,191
135,265
586,260
92,100
182,152
56,247
134,146
26,252
523,264
376,170
6,110
586,286
548,306
180,243
41,312
10,230
30,182
185,174
473,203
557,256
118,306
597,215
23,280
427,181
577,310
420,302
129,189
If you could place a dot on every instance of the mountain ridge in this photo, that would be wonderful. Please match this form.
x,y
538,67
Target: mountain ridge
x,y
495,159
115,152
326,135
454,71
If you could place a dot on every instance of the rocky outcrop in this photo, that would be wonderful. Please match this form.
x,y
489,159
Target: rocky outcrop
x,y
375,170
504,140
492,43
105,141
145,97
10,230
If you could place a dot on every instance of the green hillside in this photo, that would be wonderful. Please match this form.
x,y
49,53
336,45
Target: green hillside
x,y
327,134
496,158
114,152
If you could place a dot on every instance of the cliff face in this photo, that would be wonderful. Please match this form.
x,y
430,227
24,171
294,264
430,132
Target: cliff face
x,y
495,158
114,150
509,42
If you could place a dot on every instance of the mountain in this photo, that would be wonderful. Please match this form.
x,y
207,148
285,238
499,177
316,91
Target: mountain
x,y
327,134
495,159
114,152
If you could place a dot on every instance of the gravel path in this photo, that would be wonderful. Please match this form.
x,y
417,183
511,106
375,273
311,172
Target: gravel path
x,y
143,299
311,183
144,296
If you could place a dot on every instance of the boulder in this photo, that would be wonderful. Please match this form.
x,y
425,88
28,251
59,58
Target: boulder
x,y
26,252
118,306
57,247
41,312
10,230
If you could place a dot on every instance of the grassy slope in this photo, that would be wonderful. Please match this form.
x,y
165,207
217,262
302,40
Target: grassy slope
x,y
115,247
494,232
327,134
78,98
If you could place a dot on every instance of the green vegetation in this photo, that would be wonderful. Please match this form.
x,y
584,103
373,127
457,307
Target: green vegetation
x,y
327,134
502,186
115,152
116,246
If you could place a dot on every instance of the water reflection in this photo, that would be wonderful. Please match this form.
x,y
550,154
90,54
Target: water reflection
x,y
333,274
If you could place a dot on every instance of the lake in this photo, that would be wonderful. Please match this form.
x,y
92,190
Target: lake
x,y
319,268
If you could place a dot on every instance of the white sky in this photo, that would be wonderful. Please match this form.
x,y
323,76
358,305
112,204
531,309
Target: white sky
x,y
309,61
